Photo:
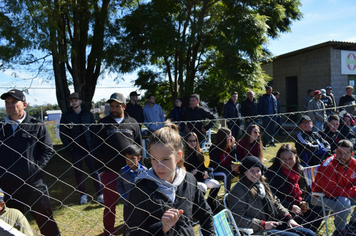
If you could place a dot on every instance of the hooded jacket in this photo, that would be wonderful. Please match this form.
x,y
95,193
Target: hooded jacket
x,y
153,114
149,201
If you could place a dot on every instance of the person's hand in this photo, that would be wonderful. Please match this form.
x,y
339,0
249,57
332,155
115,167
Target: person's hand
x,y
248,120
271,225
203,130
304,206
170,218
194,172
205,175
291,223
296,210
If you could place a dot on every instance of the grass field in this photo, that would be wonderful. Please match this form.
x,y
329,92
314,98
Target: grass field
x,y
75,219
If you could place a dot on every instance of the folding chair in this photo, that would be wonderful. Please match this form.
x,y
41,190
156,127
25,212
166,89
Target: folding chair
x,y
310,173
225,225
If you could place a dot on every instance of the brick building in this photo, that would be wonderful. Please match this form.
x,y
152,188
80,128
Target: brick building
x,y
327,64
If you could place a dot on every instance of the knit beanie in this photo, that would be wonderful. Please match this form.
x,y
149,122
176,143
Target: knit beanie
x,y
249,162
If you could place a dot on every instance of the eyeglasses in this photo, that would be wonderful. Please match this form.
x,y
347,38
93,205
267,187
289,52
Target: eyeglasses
x,y
192,141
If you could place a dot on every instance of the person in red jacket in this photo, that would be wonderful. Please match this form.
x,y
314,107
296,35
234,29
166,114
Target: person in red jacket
x,y
340,187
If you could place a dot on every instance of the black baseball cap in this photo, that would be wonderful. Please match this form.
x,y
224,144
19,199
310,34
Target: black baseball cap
x,y
134,93
15,93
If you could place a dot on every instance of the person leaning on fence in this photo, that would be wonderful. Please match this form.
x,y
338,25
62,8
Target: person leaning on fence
x,y
250,144
312,149
316,111
249,109
14,217
114,133
194,163
128,174
166,197
287,181
76,132
25,149
253,204
222,153
267,107
194,117
232,114
336,178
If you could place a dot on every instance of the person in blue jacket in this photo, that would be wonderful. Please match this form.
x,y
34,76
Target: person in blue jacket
x,y
268,109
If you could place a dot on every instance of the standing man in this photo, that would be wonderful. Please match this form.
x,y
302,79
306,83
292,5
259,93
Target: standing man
x,y
348,100
114,133
232,114
306,99
336,178
268,108
316,111
329,92
25,149
328,103
177,115
279,116
249,109
195,115
134,109
77,136
153,113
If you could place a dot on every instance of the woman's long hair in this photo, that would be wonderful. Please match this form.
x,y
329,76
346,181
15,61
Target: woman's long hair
x,y
277,160
248,135
198,151
221,138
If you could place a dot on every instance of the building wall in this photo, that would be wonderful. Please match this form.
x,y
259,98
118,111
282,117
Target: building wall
x,y
312,68
338,81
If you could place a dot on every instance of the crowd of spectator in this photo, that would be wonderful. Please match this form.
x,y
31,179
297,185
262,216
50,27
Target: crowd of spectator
x,y
164,199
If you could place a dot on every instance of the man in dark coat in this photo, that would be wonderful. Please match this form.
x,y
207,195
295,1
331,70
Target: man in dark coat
x,y
25,149
232,114
77,137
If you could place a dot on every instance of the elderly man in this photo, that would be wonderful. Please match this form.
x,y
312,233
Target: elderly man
x,y
77,137
114,132
249,109
25,149
336,178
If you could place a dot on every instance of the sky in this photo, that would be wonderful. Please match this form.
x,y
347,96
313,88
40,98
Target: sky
x,y
323,20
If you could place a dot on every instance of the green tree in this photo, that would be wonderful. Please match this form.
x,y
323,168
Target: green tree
x,y
64,38
211,47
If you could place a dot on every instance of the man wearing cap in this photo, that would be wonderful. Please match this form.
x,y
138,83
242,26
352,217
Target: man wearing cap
x,y
327,102
232,114
25,149
77,136
348,100
134,109
329,92
312,149
14,217
114,133
316,111
153,114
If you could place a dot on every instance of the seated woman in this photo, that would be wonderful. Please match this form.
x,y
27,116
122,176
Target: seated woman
x,y
286,180
222,153
253,204
194,163
250,144
349,121
165,198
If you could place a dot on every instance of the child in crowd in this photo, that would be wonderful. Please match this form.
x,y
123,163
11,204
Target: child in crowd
x,y
128,174
166,197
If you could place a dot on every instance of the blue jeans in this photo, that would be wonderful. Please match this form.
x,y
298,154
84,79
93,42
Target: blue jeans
x,y
298,231
341,206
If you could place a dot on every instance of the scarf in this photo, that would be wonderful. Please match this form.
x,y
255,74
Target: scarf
x,y
295,194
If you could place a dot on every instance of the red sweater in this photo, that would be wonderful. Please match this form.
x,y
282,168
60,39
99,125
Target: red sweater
x,y
244,149
334,180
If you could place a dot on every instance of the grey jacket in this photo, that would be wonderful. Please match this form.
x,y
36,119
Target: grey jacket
x,y
316,111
